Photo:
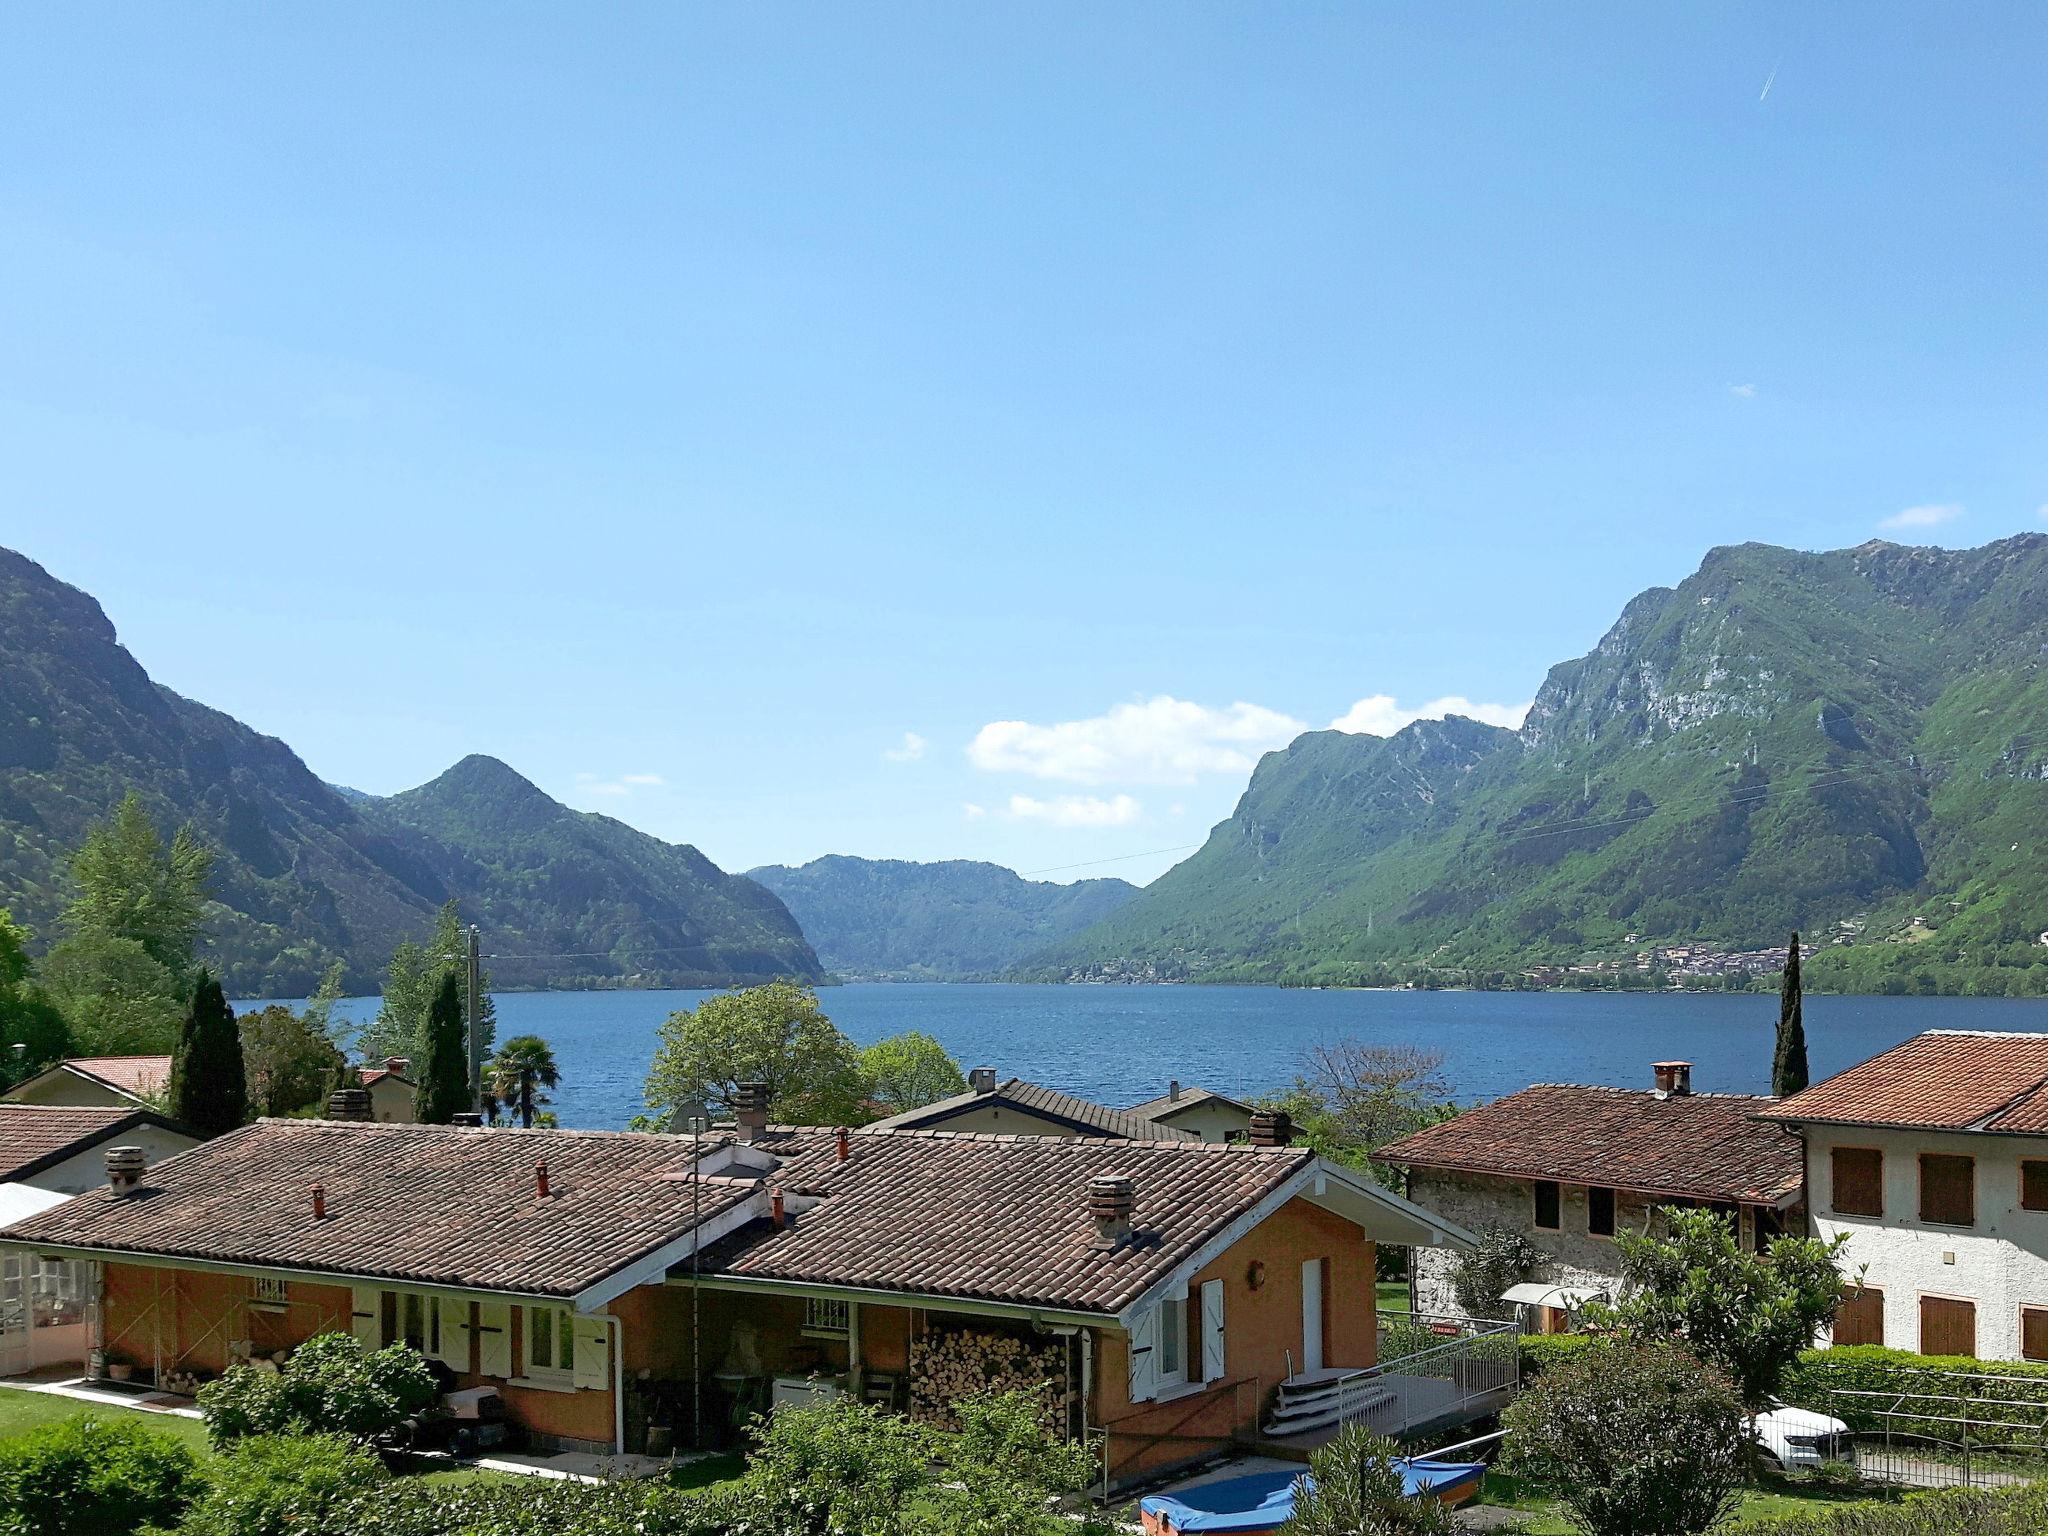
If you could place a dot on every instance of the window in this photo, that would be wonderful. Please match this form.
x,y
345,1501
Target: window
x,y
1173,1342
1860,1318
268,1293
1546,1205
2033,1185
1769,1226
829,1318
1948,1190
1858,1179
550,1341
1600,1212
416,1322
1948,1326
2034,1333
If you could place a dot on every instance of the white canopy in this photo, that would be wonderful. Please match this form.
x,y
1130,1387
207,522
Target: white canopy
x,y
1534,1293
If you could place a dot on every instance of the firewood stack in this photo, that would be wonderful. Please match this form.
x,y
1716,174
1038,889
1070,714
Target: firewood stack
x,y
948,1365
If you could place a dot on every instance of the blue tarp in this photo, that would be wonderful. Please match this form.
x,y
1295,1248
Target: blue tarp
x,y
1265,1500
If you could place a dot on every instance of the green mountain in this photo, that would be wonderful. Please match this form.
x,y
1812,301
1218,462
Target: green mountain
x,y
1841,743
307,874
889,917
545,880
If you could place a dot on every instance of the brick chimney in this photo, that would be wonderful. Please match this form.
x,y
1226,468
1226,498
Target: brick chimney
x,y
750,1109
1674,1078
1272,1128
349,1104
982,1079
124,1169
396,1065
844,1139
1111,1199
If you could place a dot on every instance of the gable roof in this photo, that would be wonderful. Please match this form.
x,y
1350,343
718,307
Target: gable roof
x,y
1695,1146
373,1075
994,1219
131,1077
1040,1102
34,1137
1946,1079
1167,1105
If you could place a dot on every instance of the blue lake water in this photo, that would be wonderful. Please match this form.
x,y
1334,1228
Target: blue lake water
x,y
1120,1045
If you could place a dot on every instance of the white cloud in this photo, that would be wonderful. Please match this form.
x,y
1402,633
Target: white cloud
x,y
1077,810
911,750
1742,391
622,784
973,812
642,778
1161,740
1925,516
1379,715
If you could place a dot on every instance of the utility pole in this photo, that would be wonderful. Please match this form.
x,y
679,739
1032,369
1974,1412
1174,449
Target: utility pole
x,y
476,1028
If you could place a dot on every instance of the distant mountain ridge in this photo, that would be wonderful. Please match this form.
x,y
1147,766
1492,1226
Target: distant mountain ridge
x,y
1782,740
957,917
307,874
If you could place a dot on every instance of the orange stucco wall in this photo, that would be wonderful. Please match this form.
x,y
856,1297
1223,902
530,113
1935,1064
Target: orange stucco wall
x,y
1260,1328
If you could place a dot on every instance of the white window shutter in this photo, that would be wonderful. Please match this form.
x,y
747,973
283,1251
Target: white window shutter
x,y
455,1334
494,1339
366,1319
593,1351
1145,1356
1212,1330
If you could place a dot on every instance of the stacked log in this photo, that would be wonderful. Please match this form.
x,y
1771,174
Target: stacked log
x,y
948,1365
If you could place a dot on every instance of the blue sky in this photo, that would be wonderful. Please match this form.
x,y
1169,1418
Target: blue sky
x,y
978,431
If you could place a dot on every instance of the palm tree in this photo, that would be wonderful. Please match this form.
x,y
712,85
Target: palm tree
x,y
523,1066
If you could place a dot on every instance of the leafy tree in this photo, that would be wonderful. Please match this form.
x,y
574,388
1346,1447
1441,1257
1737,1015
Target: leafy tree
x,y
1351,1097
909,1071
1747,1314
1356,1490
13,952
411,983
289,1058
330,1385
831,1467
209,1090
523,1066
1505,1256
91,1473
1632,1439
27,1016
1788,1061
1000,1472
130,886
116,1000
441,1085
279,1485
775,1034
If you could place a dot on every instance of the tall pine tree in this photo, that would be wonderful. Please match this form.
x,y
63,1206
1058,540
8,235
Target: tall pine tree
x,y
209,1090
441,1082
1788,1062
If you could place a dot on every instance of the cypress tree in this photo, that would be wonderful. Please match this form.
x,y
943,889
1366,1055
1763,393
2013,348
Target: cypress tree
x,y
209,1089
1788,1062
441,1089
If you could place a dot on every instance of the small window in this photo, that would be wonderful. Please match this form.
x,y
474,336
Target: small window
x,y
1173,1342
829,1318
1858,1179
1547,1205
269,1293
2033,1185
1600,1211
1948,1190
1860,1317
550,1341
2034,1333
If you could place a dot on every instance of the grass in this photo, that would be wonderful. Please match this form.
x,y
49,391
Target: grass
x,y
22,1411
1776,1498
1392,1295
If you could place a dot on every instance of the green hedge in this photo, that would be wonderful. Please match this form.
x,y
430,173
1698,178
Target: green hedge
x,y
1540,1351
1820,1376
1999,1512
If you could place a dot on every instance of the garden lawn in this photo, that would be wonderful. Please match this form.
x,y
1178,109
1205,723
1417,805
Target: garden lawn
x,y
1775,1499
22,1411
1393,1295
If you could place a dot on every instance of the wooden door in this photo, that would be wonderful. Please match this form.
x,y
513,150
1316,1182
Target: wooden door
x,y
1947,1326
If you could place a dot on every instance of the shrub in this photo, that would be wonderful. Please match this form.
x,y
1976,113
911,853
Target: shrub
x,y
827,1467
1001,1472
106,1476
1541,1351
1983,1512
1819,1377
1631,1439
528,1507
1357,1491
331,1385
1505,1256
278,1485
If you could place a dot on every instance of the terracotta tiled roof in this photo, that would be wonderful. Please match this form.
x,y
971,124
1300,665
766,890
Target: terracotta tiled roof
x,y
33,1136
1003,1218
1700,1146
430,1204
1945,1079
993,1218
372,1075
144,1076
1047,1104
1167,1104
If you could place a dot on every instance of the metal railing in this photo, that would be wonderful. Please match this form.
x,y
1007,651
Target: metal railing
x,y
1440,1370
1953,1438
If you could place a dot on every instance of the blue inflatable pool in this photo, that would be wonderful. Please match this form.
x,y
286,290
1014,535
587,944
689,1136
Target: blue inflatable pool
x,y
1264,1501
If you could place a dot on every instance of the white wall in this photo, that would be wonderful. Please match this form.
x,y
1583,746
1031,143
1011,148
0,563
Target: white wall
x,y
88,1169
2000,1264
71,1089
1209,1120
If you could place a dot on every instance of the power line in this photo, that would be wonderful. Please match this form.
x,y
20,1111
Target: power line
x,y
1150,853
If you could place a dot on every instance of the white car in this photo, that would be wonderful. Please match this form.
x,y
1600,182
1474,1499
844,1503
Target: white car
x,y
1798,1439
